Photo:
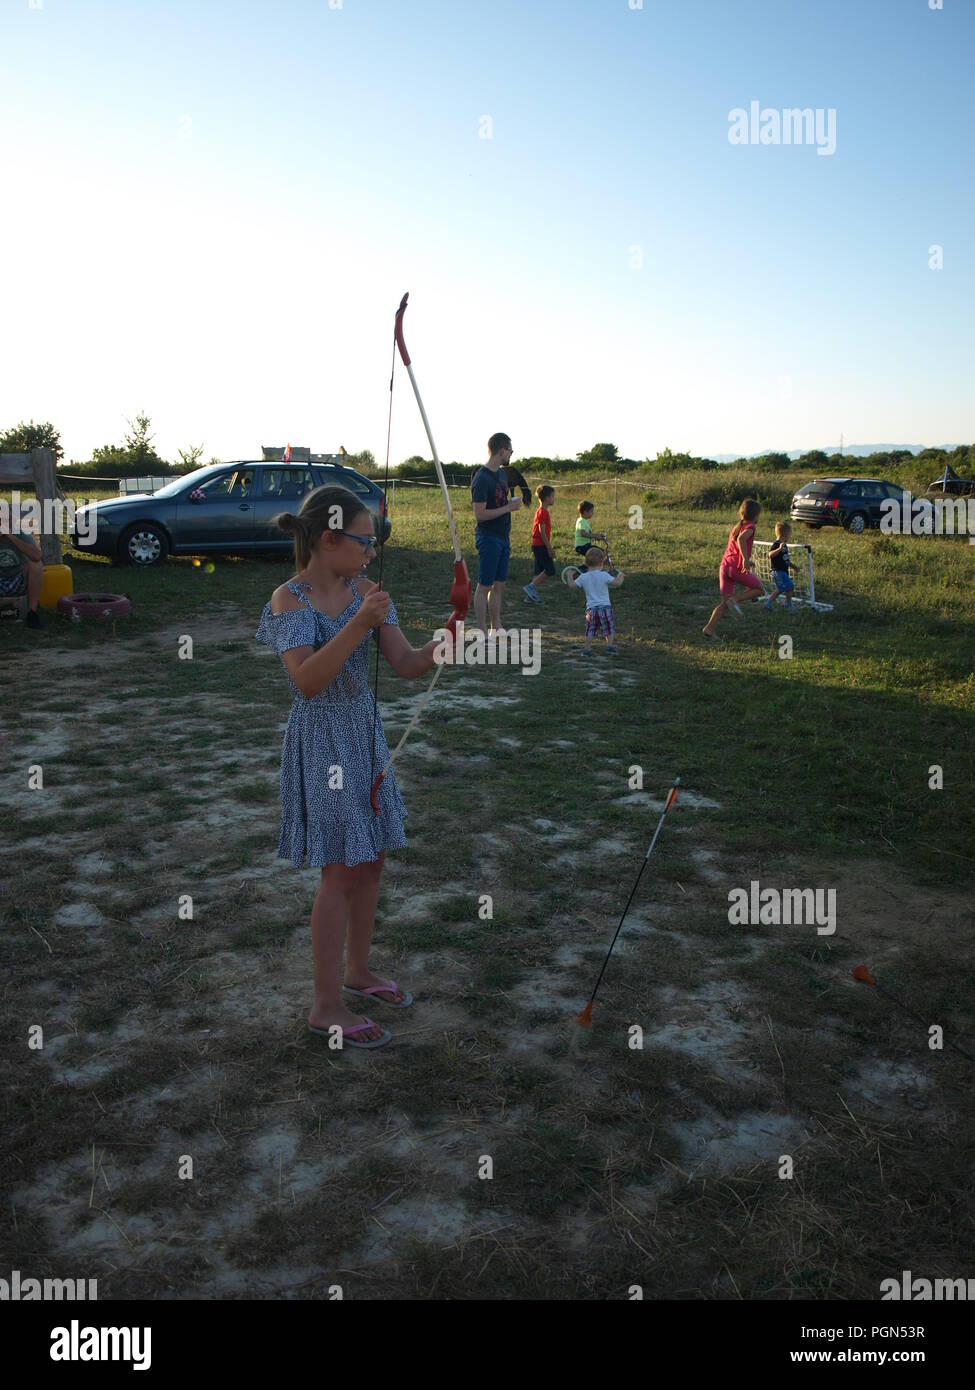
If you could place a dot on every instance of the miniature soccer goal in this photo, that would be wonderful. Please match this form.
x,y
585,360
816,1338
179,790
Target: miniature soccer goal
x,y
801,561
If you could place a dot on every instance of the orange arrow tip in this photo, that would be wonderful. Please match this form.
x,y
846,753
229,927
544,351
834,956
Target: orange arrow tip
x,y
862,974
584,1019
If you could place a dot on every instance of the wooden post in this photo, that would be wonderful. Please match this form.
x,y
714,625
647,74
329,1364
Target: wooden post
x,y
616,493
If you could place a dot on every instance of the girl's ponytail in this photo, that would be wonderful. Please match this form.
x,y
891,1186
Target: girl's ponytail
x,y
747,512
293,525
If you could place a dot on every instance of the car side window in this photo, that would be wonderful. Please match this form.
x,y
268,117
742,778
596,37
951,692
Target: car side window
x,y
872,491
286,484
852,490
217,487
355,484
243,483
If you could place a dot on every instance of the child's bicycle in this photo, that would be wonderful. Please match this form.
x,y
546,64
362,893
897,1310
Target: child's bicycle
x,y
573,570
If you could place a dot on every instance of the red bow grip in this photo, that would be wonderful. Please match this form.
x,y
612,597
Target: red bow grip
x,y
460,596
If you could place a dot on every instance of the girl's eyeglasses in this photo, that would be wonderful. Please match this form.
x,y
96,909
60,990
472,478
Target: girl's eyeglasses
x,y
367,542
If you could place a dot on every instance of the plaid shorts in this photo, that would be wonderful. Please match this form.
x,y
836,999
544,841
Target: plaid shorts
x,y
600,620
11,585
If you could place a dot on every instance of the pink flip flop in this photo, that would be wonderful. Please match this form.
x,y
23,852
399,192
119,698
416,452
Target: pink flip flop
x,y
348,1034
388,987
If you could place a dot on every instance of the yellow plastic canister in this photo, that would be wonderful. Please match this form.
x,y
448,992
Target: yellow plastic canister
x,y
57,581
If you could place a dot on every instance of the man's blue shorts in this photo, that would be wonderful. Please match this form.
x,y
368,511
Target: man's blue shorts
x,y
783,581
493,554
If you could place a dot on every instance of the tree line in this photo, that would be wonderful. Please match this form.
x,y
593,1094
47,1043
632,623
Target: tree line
x,y
137,457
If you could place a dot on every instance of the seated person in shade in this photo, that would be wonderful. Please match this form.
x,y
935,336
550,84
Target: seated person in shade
x,y
21,569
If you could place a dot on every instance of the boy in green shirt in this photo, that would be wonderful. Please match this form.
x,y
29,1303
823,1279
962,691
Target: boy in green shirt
x,y
585,536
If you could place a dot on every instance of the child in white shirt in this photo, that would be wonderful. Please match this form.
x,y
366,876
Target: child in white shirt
x,y
596,583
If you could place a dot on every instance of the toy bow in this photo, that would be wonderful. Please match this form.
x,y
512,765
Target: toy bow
x,y
460,590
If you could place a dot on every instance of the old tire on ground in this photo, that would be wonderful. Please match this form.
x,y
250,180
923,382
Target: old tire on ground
x,y
101,606
142,545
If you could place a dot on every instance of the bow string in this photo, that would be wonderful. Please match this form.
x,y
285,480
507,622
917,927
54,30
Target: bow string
x,y
460,589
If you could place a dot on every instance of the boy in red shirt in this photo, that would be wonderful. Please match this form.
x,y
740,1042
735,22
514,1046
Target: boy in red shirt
x,y
541,543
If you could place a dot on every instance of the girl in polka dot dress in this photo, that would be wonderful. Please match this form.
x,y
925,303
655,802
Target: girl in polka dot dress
x,y
321,622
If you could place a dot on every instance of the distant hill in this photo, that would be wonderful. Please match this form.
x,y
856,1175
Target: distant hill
x,y
856,450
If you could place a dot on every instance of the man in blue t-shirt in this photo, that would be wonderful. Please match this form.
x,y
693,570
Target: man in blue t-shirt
x,y
492,513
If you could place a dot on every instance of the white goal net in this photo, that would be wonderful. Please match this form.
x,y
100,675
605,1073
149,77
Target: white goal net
x,y
801,569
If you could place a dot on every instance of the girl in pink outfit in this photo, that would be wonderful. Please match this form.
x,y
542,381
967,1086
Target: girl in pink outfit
x,y
737,567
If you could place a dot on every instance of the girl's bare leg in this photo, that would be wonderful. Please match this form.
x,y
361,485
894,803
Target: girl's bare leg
x,y
716,616
329,922
362,915
743,594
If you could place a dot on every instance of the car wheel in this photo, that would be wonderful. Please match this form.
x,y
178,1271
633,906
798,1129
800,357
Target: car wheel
x,y
856,524
143,545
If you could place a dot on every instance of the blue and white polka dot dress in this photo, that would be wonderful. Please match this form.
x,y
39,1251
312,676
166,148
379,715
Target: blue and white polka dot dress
x,y
322,823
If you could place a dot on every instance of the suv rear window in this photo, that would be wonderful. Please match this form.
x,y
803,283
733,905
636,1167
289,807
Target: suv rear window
x,y
822,489
344,477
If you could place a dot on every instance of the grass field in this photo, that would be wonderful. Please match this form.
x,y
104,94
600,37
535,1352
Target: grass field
x,y
612,1165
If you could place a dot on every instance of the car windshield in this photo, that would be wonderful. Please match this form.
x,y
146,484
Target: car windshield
x,y
194,479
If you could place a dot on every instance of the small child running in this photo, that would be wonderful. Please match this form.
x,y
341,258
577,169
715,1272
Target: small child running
x,y
779,559
595,583
541,543
737,567
586,537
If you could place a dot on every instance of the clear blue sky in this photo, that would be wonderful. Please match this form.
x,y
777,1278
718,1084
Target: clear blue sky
x,y
211,211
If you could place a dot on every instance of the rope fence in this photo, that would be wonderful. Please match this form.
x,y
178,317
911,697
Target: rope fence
x,y
559,485
123,487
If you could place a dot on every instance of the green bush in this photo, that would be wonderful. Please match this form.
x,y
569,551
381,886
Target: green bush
x,y
706,490
667,462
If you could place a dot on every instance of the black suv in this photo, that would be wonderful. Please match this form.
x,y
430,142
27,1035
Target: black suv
x,y
223,509
850,502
